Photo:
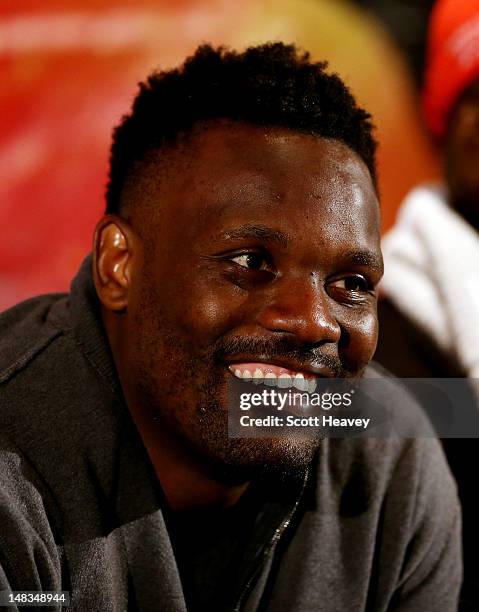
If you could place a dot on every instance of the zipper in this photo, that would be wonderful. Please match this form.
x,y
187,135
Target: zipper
x,y
274,540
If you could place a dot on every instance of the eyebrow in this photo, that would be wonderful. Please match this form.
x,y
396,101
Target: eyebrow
x,y
263,232
365,258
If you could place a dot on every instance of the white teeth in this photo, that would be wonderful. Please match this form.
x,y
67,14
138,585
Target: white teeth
x,y
258,376
284,381
299,382
270,379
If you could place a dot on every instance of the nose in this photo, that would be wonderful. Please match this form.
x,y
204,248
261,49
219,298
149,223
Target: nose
x,y
300,307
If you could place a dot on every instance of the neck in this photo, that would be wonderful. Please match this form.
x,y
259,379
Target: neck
x,y
185,479
186,482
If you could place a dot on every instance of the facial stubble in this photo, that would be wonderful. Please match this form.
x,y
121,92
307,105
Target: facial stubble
x,y
184,387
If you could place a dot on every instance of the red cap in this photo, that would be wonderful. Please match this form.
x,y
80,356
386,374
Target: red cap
x,y
452,61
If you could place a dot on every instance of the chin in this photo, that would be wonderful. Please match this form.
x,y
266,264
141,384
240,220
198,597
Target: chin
x,y
240,460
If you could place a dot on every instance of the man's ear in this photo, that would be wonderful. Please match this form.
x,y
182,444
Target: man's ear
x,y
112,261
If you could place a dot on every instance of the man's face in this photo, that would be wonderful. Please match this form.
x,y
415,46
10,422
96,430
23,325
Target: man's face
x,y
260,251
462,156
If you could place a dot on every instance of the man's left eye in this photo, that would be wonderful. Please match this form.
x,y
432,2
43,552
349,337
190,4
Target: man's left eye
x,y
251,261
356,284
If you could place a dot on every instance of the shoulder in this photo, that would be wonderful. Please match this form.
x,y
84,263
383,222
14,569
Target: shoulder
x,y
52,400
404,466
22,494
26,329
29,556
36,355
412,470
393,502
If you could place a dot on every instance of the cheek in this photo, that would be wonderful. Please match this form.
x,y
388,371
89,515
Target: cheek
x,y
210,309
362,335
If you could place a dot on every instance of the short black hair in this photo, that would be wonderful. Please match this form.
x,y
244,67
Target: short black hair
x,y
268,85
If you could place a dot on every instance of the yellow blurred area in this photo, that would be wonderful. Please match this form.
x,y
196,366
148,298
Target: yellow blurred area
x,y
361,52
70,72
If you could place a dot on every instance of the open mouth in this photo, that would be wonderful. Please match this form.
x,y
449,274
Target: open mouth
x,y
273,376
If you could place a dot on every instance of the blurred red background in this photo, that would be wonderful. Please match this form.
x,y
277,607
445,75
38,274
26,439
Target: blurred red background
x,y
69,73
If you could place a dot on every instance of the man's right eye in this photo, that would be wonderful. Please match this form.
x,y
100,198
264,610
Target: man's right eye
x,y
252,261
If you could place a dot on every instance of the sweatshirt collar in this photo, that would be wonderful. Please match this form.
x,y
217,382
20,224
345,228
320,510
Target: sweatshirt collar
x,y
88,325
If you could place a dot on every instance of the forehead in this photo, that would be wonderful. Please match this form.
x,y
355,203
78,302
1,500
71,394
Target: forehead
x,y
276,155
227,172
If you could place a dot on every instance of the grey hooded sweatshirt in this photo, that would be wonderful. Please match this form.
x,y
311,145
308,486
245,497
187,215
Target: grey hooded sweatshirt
x,y
374,525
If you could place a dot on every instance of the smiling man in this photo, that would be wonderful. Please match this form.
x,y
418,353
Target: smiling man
x,y
241,240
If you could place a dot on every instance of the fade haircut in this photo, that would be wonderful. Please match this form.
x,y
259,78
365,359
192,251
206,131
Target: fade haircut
x,y
272,85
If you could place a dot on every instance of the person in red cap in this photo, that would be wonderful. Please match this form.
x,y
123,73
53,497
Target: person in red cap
x,y
429,314
431,283
451,99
